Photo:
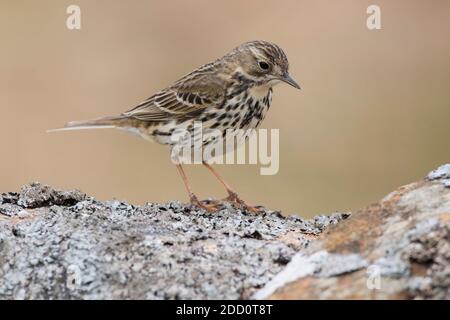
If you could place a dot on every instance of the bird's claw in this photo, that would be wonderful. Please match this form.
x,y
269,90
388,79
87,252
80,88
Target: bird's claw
x,y
208,205
234,199
216,205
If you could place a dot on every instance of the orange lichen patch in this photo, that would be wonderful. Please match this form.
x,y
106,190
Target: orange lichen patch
x,y
293,238
300,289
377,234
325,288
310,236
395,196
358,234
347,286
445,217
354,235
418,269
402,295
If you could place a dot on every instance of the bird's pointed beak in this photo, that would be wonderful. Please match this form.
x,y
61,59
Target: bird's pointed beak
x,y
289,80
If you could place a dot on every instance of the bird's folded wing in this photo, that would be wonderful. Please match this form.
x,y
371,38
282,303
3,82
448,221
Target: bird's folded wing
x,y
176,103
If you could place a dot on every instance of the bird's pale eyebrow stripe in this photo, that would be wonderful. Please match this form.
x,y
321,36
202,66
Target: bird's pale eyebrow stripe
x,y
271,50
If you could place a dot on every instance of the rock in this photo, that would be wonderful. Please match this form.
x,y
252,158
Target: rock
x,y
398,248
38,195
442,173
76,247
65,245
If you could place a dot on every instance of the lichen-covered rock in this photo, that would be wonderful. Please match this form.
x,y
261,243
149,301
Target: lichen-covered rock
x,y
442,173
64,245
38,195
398,248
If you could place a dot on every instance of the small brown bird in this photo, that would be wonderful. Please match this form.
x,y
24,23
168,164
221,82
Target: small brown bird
x,y
233,92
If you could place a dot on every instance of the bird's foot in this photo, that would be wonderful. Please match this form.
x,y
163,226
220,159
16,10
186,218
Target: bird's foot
x,y
208,205
216,205
234,199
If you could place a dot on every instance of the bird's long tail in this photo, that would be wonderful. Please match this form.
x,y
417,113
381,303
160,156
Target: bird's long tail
x,y
99,123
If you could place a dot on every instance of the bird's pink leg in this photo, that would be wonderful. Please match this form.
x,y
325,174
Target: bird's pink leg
x,y
192,197
232,195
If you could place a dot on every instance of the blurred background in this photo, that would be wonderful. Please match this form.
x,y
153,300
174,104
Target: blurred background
x,y
374,112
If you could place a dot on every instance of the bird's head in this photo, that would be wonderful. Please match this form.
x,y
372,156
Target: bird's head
x,y
263,62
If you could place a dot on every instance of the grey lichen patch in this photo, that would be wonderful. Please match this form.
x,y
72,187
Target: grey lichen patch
x,y
78,247
10,210
430,247
319,264
9,197
324,221
442,173
337,264
421,257
38,195
392,266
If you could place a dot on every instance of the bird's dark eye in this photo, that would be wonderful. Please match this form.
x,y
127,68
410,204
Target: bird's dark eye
x,y
263,65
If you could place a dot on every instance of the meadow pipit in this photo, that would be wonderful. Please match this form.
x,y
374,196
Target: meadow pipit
x,y
233,92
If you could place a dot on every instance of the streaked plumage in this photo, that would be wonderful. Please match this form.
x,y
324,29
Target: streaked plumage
x,y
233,92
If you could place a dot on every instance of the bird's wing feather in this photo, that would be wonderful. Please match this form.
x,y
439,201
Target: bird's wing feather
x,y
187,98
